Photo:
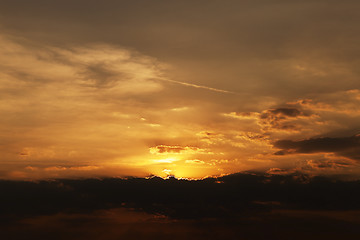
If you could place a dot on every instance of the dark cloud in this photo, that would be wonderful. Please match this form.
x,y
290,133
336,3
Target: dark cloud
x,y
165,149
326,164
289,112
282,118
100,76
344,146
168,149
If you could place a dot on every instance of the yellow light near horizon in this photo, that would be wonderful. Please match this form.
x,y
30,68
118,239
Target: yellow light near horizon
x,y
166,160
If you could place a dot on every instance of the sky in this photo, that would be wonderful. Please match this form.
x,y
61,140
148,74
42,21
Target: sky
x,y
184,88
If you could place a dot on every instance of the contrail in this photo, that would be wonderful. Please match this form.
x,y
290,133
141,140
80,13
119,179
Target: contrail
x,y
195,85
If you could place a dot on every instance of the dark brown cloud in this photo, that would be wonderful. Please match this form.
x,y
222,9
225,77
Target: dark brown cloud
x,y
330,164
165,149
282,112
288,118
282,118
344,146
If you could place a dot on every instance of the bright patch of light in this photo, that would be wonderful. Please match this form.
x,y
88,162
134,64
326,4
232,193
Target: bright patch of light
x,y
166,160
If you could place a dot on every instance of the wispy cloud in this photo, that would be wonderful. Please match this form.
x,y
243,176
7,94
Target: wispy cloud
x,y
195,85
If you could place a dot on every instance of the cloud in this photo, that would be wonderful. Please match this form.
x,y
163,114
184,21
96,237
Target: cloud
x,y
279,171
44,170
243,115
288,119
66,105
344,146
338,102
164,149
282,112
196,86
194,161
81,67
326,164
210,137
283,118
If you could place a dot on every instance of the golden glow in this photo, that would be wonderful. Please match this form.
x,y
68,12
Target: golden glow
x,y
165,160
216,103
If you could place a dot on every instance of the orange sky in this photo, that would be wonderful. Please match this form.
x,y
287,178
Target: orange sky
x,y
185,89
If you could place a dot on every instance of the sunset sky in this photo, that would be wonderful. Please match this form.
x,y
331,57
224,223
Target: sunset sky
x,y
184,88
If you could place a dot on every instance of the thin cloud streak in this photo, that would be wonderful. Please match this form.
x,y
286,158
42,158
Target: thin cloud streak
x,y
196,86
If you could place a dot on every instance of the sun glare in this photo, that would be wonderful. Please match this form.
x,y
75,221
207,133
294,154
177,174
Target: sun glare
x,y
166,160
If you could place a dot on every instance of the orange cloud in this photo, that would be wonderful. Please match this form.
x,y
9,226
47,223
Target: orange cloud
x,y
164,149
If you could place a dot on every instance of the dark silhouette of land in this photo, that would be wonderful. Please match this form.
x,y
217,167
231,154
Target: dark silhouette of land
x,y
237,205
